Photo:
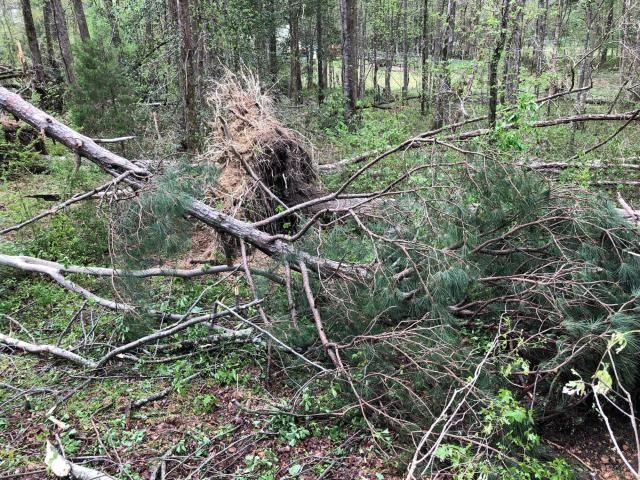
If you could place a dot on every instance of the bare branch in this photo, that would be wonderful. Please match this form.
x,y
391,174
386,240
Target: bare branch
x,y
47,349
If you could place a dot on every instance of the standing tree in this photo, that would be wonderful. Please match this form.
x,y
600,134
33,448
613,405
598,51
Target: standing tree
x,y
349,24
495,60
81,20
32,37
49,32
322,85
514,56
63,40
190,117
425,40
295,73
444,42
113,21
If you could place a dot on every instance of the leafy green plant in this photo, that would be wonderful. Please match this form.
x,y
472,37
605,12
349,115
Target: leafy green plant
x,y
509,428
288,429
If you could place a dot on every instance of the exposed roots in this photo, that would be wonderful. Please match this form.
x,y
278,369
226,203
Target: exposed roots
x,y
263,165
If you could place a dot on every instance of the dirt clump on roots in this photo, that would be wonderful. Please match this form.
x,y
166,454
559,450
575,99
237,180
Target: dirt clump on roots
x,y
263,166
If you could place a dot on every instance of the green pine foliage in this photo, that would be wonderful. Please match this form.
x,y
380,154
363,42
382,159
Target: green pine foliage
x,y
17,160
101,102
560,261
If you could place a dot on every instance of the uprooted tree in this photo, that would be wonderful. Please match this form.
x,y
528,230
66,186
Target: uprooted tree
x,y
462,243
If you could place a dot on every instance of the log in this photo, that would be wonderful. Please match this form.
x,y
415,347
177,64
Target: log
x,y
63,468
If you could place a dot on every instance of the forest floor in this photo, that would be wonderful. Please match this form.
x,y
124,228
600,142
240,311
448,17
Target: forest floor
x,y
228,421
233,421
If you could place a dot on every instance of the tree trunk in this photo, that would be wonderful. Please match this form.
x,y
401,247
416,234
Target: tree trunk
x,y
540,37
553,85
362,60
514,54
113,21
63,40
32,37
309,66
607,32
444,42
585,69
405,51
320,52
81,20
349,24
495,60
295,74
273,43
424,97
49,32
190,117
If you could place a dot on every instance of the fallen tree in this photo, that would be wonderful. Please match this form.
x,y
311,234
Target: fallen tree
x,y
140,176
540,275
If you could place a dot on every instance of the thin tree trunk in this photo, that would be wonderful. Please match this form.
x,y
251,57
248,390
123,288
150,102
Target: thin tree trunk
x,y
63,40
553,85
81,20
273,43
349,24
514,54
443,93
495,60
320,52
190,118
362,77
295,74
405,50
424,97
32,37
540,37
310,65
49,32
585,69
113,21
607,31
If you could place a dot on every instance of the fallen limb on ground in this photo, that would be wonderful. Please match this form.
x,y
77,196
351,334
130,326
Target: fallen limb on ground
x,y
63,468
46,349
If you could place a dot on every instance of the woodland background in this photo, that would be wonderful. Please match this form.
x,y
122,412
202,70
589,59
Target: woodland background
x,y
367,239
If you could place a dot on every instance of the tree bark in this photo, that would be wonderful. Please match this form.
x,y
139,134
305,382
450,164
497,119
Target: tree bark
x,y
190,116
320,52
32,37
81,20
63,40
349,24
540,37
495,60
273,43
444,42
514,56
49,32
607,31
295,74
405,50
424,97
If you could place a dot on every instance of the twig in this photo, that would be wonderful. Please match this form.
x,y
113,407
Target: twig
x,y
329,348
275,339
